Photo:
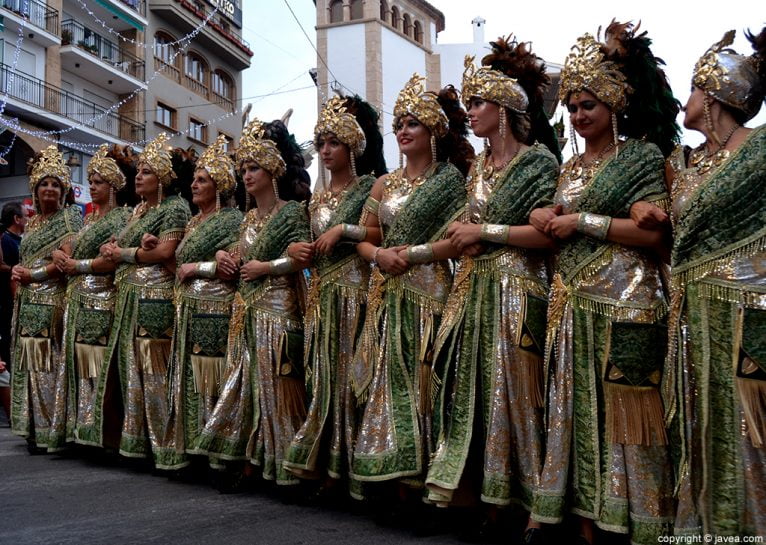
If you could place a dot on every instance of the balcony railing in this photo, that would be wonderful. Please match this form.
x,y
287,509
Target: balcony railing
x,y
37,13
107,51
196,86
138,6
48,97
224,102
168,69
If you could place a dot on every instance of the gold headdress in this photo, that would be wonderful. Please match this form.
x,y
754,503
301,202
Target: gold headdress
x,y
729,77
107,168
422,105
50,164
334,118
587,69
262,151
494,86
219,165
159,160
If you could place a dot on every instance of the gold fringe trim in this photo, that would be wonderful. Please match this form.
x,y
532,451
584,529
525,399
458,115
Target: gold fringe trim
x,y
35,354
90,301
716,262
369,343
634,415
530,371
732,293
208,372
42,298
90,359
291,399
620,311
425,359
752,394
456,300
602,258
152,355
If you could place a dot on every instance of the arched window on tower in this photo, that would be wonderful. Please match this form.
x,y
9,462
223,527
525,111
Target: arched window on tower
x,y
383,10
407,26
395,17
418,32
336,11
357,9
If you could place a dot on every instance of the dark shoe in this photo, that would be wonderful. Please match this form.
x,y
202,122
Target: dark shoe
x,y
582,541
533,536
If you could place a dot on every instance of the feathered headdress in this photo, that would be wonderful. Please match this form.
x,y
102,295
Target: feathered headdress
x,y
336,119
216,161
50,163
422,105
107,168
729,77
253,146
587,69
629,79
158,157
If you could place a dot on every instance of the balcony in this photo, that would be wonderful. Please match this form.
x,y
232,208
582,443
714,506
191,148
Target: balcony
x,y
41,23
120,14
101,61
218,37
33,99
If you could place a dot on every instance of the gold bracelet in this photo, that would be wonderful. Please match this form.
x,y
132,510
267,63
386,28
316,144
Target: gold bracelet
x,y
422,253
283,265
206,269
39,274
593,225
83,266
354,232
374,260
128,255
498,234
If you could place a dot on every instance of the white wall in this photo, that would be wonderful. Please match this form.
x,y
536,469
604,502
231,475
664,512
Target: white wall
x,y
346,59
31,57
400,59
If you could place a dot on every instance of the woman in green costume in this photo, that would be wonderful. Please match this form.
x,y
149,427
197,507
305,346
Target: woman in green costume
x,y
715,388
203,300
143,314
350,145
607,458
411,278
262,403
90,301
490,343
38,384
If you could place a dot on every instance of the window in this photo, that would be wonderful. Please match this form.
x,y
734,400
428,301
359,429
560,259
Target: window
x,y
357,9
383,10
164,48
229,142
197,130
222,85
165,115
395,17
418,32
336,11
407,27
195,68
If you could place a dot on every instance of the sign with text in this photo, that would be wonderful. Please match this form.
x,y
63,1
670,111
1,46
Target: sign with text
x,y
229,9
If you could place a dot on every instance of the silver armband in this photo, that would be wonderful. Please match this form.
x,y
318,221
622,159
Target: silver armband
x,y
593,225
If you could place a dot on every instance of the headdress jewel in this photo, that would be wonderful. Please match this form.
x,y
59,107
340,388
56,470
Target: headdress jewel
x,y
334,118
422,105
494,86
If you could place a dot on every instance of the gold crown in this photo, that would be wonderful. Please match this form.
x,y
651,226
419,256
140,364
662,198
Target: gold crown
x,y
494,86
51,164
422,105
334,118
261,151
729,77
106,167
159,159
586,69
219,165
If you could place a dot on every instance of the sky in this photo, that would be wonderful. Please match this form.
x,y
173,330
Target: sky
x,y
681,32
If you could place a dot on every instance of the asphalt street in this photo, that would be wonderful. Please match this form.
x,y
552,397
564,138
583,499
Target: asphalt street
x,y
74,499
